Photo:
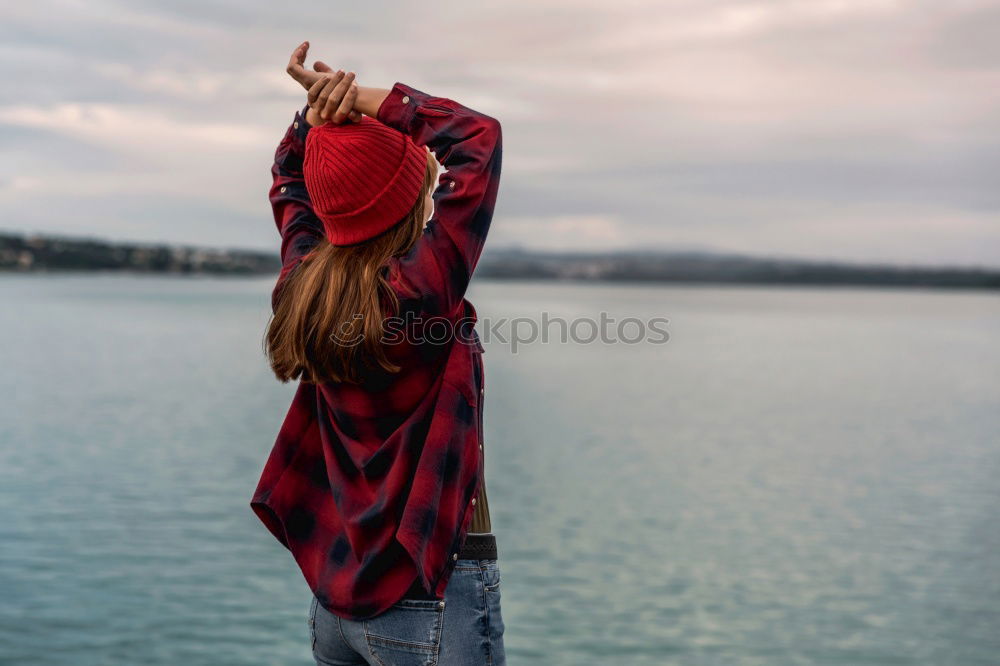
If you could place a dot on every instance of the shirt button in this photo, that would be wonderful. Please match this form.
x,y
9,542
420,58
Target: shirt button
x,y
283,188
454,556
451,184
296,125
406,99
473,501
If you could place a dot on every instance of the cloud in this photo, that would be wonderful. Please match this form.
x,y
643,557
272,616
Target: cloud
x,y
141,130
561,232
744,125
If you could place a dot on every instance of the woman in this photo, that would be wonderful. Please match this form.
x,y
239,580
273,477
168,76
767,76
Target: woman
x,y
375,483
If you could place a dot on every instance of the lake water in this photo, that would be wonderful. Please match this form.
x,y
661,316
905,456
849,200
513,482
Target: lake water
x,y
798,476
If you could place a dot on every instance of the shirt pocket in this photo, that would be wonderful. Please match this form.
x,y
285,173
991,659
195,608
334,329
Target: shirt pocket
x,y
491,575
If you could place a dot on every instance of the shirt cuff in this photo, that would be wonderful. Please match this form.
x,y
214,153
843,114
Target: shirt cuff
x,y
300,128
399,107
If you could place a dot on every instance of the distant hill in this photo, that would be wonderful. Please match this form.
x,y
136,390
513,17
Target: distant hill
x,y
53,253
711,268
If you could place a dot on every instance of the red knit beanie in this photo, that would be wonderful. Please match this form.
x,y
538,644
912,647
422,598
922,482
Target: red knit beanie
x,y
362,178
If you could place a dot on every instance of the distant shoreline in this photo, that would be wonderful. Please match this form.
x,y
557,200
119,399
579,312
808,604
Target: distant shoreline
x,y
20,254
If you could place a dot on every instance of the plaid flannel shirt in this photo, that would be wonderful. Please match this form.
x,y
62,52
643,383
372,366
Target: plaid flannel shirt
x,y
373,485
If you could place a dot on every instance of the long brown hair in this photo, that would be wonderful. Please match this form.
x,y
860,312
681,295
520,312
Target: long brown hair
x,y
329,314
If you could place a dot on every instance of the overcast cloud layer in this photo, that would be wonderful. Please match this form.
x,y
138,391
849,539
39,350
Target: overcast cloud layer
x,y
849,129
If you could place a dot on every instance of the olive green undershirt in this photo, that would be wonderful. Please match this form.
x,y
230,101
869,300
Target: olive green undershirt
x,y
481,512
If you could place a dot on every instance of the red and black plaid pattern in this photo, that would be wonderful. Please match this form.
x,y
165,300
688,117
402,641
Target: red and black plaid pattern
x,y
371,486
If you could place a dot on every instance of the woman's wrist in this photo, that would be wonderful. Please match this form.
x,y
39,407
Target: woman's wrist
x,y
370,99
312,117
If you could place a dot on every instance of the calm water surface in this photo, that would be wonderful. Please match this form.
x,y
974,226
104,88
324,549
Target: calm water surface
x,y
798,477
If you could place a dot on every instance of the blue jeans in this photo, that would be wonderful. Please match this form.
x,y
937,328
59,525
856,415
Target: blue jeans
x,y
463,629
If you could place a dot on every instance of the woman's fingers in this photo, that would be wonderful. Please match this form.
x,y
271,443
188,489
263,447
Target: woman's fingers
x,y
336,96
333,95
328,91
316,89
297,59
295,66
346,105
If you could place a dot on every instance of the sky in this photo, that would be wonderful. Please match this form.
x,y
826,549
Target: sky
x,y
857,130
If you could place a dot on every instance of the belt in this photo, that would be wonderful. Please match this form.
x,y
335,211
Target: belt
x,y
478,546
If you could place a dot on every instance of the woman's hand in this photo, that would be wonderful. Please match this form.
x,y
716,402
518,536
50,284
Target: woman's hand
x,y
331,94
332,98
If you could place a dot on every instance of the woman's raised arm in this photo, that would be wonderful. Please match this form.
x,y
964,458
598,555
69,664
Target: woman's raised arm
x,y
468,144
297,224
